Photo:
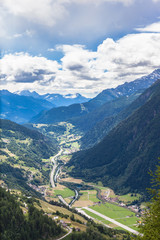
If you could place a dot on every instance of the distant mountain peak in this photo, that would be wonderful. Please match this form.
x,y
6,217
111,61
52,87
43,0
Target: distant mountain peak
x,y
28,93
55,98
108,95
76,95
20,108
4,91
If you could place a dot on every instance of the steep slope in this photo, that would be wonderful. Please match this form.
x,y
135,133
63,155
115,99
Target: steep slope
x,y
124,157
76,110
98,132
109,109
22,154
67,112
15,225
127,88
60,114
21,109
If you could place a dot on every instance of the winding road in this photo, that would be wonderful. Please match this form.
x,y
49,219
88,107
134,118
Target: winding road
x,y
70,230
53,160
75,198
53,177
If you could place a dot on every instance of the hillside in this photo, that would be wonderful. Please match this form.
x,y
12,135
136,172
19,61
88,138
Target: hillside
x,y
21,109
100,130
15,224
108,109
67,112
22,155
25,218
124,157
78,110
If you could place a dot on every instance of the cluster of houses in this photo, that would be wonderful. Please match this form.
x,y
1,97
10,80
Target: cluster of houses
x,y
40,189
134,208
68,224
70,151
64,224
109,199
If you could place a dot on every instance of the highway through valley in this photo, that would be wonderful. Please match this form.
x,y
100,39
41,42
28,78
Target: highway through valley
x,y
53,172
53,180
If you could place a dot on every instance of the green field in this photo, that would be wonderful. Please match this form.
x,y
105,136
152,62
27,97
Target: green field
x,y
117,213
93,198
66,192
89,195
75,145
96,217
83,196
129,197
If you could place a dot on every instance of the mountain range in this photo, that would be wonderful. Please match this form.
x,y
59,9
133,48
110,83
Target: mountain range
x,y
121,127
108,109
78,110
21,106
56,99
95,134
124,157
21,109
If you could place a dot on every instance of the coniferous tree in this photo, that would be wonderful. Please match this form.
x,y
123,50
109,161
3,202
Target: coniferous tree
x,y
150,227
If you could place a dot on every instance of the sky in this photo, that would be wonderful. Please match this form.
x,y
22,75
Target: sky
x,y
77,46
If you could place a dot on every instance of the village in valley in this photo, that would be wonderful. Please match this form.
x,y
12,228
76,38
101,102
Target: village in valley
x,y
77,195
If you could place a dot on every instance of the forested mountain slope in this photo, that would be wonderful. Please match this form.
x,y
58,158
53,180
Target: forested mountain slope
x,y
17,226
75,110
108,109
100,130
22,153
124,157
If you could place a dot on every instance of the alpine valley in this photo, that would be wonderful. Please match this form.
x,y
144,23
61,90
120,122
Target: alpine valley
x,y
75,167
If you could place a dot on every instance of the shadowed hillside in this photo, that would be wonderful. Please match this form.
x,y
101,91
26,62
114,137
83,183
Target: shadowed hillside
x,y
126,154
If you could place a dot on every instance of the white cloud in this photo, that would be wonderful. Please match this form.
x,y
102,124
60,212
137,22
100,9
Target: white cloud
x,y
82,70
51,22
154,27
47,12
125,2
131,56
51,50
27,33
21,69
112,64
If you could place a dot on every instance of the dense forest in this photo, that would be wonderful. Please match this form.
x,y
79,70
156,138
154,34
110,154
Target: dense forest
x,y
15,226
123,158
103,127
150,227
